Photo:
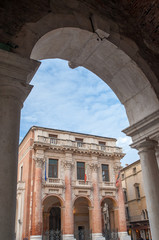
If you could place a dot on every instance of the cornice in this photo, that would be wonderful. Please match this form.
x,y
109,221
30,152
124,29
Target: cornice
x,y
73,150
147,128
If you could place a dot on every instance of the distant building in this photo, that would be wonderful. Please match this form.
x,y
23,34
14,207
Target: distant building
x,y
66,184
135,201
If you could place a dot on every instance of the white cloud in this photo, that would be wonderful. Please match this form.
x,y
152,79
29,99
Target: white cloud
x,y
75,100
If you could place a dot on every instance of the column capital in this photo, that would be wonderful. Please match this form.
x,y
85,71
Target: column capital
x,y
68,164
117,168
94,166
14,67
14,89
146,146
15,74
39,162
144,130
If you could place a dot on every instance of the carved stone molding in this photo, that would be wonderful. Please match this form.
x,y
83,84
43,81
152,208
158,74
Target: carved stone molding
x,y
147,128
94,166
117,168
68,164
39,162
146,146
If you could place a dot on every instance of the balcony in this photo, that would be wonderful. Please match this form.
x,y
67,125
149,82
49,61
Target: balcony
x,y
55,182
82,184
75,144
108,185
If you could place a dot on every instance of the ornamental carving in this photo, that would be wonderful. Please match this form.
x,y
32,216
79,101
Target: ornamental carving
x,y
117,167
68,164
94,166
39,162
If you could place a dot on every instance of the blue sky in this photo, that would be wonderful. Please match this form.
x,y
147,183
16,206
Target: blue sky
x,y
75,100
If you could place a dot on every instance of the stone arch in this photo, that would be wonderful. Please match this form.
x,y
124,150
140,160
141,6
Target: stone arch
x,y
52,203
82,196
109,208
115,202
82,210
56,196
81,48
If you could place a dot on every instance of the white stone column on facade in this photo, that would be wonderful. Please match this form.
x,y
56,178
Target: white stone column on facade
x,y
15,74
68,221
150,180
37,204
96,210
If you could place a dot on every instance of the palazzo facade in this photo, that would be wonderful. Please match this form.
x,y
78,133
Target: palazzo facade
x,y
135,202
67,182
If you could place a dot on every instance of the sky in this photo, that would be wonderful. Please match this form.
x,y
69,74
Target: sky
x,y
75,100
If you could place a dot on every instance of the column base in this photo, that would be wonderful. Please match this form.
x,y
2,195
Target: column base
x,y
68,237
36,237
97,236
124,236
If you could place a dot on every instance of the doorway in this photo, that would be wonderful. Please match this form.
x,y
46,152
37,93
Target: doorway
x,y
55,219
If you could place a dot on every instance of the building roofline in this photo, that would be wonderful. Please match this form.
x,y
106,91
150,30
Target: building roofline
x,y
60,130
130,165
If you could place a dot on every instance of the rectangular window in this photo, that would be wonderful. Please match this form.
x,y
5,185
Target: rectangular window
x,y
102,145
80,170
122,176
137,192
105,172
53,168
127,213
125,196
134,170
53,138
21,173
79,142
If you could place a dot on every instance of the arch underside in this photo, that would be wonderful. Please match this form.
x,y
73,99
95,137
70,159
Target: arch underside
x,y
105,59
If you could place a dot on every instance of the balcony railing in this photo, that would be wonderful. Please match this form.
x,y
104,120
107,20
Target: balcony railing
x,y
83,183
107,184
55,181
82,145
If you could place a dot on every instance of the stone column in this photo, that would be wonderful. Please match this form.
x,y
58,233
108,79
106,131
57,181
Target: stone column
x,y
15,74
96,211
68,223
37,201
150,180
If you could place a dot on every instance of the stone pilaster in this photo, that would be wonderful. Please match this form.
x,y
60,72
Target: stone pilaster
x,y
15,75
150,180
68,221
37,200
96,210
122,227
